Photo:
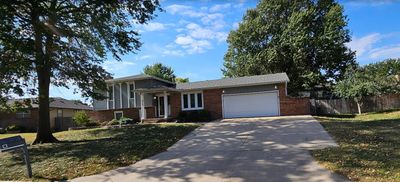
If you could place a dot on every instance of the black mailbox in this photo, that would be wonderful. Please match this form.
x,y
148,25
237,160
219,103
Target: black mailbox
x,y
15,143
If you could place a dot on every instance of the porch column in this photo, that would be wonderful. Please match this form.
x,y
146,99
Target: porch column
x,y
165,105
142,109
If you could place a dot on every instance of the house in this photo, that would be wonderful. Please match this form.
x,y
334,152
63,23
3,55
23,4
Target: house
x,y
144,96
61,113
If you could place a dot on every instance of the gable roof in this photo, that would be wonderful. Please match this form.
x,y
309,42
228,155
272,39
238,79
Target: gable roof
x,y
235,82
57,102
137,77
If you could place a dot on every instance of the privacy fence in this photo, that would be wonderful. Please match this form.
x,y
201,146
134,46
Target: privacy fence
x,y
348,106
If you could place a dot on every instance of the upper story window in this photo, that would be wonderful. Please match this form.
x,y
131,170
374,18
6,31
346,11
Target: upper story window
x,y
131,91
192,100
110,92
23,114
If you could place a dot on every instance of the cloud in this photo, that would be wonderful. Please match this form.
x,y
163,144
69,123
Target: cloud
x,y
192,45
173,52
114,65
154,26
220,7
385,52
364,44
183,10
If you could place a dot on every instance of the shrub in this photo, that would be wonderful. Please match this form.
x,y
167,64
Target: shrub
x,y
81,118
14,128
2,131
194,116
113,122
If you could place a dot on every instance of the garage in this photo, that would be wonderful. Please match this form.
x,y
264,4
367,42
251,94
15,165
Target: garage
x,y
250,104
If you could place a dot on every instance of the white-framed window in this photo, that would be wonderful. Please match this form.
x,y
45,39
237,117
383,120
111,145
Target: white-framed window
x,y
110,93
23,114
118,114
192,101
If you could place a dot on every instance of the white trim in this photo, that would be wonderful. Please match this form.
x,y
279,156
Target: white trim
x,y
113,85
120,95
165,105
128,93
117,112
230,86
195,100
250,93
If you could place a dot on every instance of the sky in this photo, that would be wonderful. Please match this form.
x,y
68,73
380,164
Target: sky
x,y
190,36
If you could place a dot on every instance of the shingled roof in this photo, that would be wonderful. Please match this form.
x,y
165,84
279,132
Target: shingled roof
x,y
57,102
235,82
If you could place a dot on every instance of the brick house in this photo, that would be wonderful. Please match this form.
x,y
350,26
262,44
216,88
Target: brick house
x,y
143,96
61,113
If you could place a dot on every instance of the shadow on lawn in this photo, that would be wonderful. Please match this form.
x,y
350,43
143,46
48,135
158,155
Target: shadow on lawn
x,y
371,148
111,149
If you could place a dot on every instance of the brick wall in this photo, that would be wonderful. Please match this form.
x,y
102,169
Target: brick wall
x,y
213,102
291,105
108,115
176,107
30,124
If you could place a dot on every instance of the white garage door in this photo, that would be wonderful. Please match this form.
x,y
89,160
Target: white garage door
x,y
251,105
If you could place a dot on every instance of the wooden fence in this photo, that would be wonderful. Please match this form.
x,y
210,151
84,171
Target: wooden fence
x,y
348,106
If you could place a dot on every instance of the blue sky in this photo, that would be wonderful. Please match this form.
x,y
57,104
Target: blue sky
x,y
190,36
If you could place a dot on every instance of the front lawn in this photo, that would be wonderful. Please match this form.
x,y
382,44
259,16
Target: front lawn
x,y
92,151
369,146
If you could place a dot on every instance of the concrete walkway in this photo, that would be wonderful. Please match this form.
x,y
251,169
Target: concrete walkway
x,y
254,149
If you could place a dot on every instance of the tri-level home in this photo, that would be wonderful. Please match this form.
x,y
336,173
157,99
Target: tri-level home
x,y
144,96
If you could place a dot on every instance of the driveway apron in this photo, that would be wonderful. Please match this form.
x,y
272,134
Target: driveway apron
x,y
246,149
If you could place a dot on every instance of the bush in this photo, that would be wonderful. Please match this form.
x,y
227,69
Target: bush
x,y
113,122
81,119
14,128
123,120
194,116
2,131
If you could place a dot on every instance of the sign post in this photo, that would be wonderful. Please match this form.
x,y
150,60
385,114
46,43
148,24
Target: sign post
x,y
15,143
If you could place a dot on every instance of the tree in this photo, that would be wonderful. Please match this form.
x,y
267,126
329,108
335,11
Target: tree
x,y
62,43
161,71
370,80
181,80
306,39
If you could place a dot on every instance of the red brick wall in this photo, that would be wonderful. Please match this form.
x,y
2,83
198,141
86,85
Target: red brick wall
x,y
175,102
7,119
291,105
108,115
213,102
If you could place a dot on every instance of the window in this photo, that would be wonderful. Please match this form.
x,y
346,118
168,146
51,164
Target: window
x,y
23,114
131,91
110,93
118,115
59,113
192,101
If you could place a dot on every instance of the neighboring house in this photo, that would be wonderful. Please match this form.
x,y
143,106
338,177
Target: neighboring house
x,y
143,96
61,113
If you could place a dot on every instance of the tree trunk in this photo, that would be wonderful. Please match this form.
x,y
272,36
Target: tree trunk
x,y
44,134
359,107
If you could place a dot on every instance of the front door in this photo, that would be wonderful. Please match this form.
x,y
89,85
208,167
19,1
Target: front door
x,y
160,106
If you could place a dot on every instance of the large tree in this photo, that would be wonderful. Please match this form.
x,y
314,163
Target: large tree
x,y
306,39
161,71
62,43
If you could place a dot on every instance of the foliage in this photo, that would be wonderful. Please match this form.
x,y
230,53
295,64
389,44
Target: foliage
x,y
194,116
2,131
181,80
63,43
113,122
161,71
14,128
91,151
306,39
81,118
366,149
369,80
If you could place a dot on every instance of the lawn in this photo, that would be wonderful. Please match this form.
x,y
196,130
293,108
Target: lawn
x,y
87,152
369,146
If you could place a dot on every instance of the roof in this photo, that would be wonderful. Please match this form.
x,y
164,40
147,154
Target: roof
x,y
235,82
137,77
57,102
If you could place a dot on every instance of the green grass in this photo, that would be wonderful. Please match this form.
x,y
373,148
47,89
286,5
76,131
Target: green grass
x,y
87,152
369,146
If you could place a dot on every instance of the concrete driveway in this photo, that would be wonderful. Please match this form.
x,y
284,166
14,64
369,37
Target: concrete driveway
x,y
252,149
